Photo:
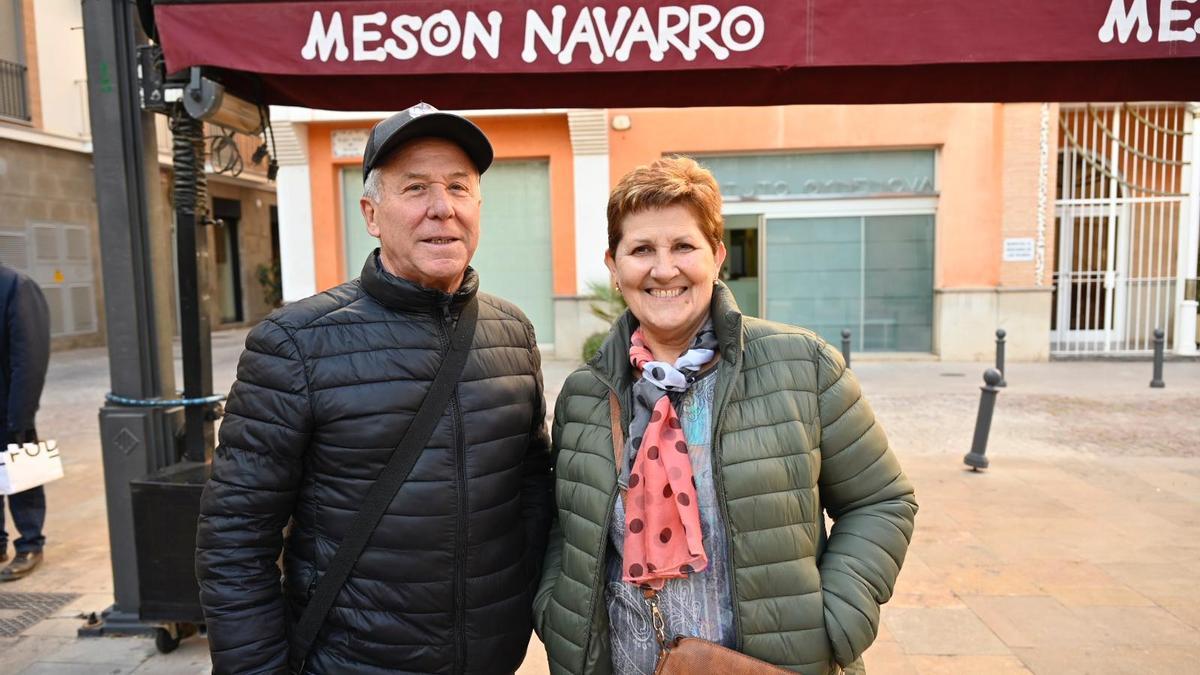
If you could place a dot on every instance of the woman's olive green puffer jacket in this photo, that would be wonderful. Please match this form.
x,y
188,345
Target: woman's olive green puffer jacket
x,y
793,436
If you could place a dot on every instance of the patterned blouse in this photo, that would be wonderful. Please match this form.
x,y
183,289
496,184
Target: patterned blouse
x,y
698,606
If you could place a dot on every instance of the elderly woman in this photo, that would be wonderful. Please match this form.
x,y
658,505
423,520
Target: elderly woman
x,y
739,435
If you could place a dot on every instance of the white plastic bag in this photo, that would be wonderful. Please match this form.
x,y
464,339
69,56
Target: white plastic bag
x,y
28,466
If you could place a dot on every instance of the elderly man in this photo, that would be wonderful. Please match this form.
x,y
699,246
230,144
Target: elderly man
x,y
326,424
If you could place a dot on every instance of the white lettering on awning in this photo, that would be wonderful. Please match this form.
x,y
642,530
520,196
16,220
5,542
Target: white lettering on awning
x,y
1120,21
325,42
591,32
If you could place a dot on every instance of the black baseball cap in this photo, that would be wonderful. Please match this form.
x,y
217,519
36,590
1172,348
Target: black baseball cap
x,y
423,120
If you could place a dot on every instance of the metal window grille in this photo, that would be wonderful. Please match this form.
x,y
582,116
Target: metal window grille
x,y
1119,216
13,251
61,263
14,90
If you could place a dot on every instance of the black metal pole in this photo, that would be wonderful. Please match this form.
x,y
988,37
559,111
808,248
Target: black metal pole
x,y
976,458
1000,340
846,346
1159,339
195,334
135,258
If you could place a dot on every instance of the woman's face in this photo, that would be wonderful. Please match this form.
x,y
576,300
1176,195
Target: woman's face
x,y
665,269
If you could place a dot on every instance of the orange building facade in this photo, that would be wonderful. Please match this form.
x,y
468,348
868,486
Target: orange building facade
x,y
920,228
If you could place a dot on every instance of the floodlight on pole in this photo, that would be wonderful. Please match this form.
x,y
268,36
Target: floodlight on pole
x,y
207,100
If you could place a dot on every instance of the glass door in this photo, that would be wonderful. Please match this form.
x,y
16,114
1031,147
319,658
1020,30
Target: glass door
x,y
814,275
741,270
872,275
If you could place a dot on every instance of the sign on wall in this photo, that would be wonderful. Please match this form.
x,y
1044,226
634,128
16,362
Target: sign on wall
x,y
824,175
1018,249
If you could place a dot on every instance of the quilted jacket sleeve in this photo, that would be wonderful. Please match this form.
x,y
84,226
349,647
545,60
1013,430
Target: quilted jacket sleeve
x,y
872,506
247,502
537,492
552,565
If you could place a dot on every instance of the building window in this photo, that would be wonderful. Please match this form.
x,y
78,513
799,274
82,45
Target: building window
x,y
14,89
833,242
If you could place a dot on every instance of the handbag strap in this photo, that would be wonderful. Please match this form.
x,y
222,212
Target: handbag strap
x,y
614,420
401,463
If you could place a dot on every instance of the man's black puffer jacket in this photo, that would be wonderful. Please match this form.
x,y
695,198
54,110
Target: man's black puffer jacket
x,y
325,390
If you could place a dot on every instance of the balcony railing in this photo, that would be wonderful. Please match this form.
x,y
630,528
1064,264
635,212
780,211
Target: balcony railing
x,y
14,97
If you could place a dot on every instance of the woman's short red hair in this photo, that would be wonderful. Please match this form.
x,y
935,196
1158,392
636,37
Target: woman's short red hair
x,y
667,182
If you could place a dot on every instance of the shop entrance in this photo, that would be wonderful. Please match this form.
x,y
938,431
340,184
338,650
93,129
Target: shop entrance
x,y
1120,218
227,259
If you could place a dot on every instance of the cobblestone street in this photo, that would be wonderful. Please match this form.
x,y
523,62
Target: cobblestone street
x,y
1078,551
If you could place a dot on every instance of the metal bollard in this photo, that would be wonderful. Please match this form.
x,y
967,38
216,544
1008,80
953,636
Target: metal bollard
x,y
976,459
1157,382
1000,335
846,346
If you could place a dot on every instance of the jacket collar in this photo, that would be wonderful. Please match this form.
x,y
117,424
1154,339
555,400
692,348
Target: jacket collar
x,y
611,361
401,294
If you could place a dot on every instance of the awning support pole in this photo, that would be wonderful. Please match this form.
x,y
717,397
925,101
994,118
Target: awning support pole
x,y
135,259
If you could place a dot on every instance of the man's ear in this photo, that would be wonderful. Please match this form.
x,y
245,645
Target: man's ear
x,y
368,211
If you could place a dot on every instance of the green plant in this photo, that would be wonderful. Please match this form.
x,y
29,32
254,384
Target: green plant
x,y
607,302
592,344
270,279
607,305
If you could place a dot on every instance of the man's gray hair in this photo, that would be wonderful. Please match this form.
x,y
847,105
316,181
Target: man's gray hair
x,y
372,186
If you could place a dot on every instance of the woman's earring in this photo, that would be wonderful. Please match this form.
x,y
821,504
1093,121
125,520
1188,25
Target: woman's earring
x,y
617,285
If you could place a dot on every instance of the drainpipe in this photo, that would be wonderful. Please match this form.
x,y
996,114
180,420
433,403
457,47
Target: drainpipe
x,y
1185,321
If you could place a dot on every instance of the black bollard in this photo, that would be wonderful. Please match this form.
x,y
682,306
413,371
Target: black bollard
x,y
1000,335
846,346
1157,382
976,459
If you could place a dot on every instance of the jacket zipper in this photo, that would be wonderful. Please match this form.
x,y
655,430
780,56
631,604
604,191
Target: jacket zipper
x,y
719,481
722,500
460,569
460,519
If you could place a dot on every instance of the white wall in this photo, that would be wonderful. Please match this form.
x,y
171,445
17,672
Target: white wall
x,y
591,223
293,198
62,68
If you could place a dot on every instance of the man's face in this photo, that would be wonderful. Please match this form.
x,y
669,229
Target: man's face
x,y
427,213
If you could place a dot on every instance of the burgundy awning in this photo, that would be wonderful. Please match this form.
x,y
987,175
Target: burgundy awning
x,y
371,54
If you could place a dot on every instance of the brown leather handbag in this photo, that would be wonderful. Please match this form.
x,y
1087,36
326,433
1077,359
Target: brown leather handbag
x,y
684,655
687,655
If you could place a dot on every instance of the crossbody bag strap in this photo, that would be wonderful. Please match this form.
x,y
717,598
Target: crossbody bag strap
x,y
614,420
403,458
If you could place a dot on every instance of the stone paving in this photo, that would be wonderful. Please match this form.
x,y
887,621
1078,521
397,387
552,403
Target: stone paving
x,y
1078,551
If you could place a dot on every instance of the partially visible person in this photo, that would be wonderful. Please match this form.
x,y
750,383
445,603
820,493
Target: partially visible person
x,y
24,358
740,435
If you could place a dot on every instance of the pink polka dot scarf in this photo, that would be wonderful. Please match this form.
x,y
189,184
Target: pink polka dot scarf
x,y
662,519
